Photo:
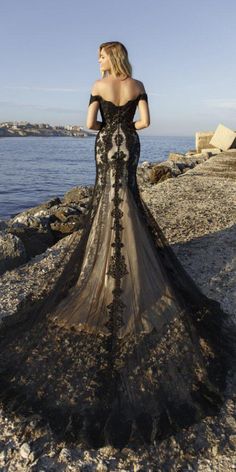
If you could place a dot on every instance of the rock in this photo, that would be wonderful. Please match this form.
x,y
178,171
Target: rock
x,y
3,225
162,171
101,467
190,152
214,450
25,450
183,166
37,211
224,138
35,239
177,157
42,226
143,177
211,152
173,166
61,229
31,457
12,252
145,164
33,228
188,160
3,456
200,157
159,173
78,194
202,139
231,422
65,455
232,440
64,212
67,219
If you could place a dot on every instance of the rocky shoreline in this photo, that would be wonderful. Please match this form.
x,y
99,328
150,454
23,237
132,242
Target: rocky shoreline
x,y
26,129
192,197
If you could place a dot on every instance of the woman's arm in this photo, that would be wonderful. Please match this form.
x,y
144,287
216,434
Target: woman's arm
x,y
91,121
144,112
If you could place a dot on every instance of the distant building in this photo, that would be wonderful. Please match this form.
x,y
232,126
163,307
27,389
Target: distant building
x,y
23,126
7,124
44,125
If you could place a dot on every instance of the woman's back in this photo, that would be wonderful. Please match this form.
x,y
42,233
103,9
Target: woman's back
x,y
119,91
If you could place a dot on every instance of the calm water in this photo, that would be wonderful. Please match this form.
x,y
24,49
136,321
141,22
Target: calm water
x,y
34,170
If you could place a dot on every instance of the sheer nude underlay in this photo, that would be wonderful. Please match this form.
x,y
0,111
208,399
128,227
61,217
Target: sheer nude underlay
x,y
144,287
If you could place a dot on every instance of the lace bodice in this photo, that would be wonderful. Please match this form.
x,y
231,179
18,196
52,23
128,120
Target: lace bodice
x,y
112,113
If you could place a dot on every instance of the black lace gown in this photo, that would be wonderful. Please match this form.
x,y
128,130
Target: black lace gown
x,y
125,349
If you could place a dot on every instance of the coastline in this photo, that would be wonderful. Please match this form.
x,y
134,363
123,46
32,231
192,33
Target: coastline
x,y
25,129
195,207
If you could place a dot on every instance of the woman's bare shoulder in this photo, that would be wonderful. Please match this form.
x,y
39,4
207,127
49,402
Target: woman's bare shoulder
x,y
95,88
134,84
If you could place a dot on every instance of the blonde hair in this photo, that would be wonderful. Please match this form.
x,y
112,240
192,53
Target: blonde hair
x,y
118,56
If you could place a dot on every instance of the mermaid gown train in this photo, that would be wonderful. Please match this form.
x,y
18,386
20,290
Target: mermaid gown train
x,y
125,348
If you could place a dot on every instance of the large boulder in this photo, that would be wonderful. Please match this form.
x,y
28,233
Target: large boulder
x,y
33,228
159,174
189,159
12,252
150,173
40,227
162,171
79,195
202,139
224,138
36,239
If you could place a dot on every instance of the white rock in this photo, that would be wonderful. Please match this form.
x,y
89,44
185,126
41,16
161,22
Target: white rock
x,y
3,456
232,440
223,137
101,467
214,450
145,164
25,450
65,454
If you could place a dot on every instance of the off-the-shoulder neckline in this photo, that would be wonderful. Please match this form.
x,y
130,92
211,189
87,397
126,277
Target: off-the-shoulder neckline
x,y
119,106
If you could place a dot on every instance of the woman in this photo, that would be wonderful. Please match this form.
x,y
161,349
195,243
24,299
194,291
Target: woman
x,y
125,349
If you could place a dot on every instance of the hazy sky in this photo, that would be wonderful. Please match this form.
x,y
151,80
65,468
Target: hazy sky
x,y
182,50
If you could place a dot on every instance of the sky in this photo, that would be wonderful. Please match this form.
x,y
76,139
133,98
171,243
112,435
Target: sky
x,y
182,50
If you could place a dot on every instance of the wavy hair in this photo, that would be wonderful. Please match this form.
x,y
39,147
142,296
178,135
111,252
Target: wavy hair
x,y
118,56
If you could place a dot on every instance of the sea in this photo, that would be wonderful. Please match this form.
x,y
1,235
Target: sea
x,y
37,169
